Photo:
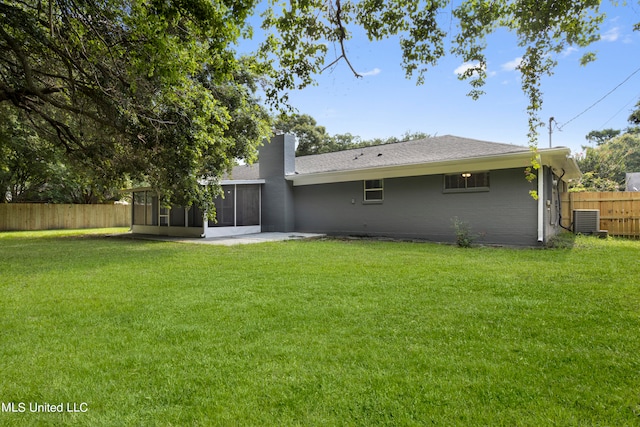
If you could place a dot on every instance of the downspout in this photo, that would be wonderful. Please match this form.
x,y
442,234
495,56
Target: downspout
x,y
570,227
541,204
205,225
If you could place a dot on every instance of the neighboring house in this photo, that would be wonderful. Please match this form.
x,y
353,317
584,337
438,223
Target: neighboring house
x,y
409,190
632,181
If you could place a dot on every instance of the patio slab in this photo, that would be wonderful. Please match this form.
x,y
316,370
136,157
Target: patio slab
x,y
229,240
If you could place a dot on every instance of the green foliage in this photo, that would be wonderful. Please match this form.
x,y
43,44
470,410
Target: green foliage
x,y
34,169
592,181
24,160
616,152
605,165
462,229
314,139
634,118
153,90
407,136
543,31
599,137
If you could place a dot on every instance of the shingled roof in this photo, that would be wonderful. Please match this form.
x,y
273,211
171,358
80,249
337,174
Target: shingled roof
x,y
446,149
427,150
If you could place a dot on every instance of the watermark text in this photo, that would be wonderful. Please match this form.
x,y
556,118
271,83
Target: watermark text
x,y
44,407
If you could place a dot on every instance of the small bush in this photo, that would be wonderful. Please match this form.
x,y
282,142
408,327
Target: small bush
x,y
464,238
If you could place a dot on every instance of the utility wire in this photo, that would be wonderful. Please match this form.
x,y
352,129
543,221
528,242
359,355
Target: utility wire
x,y
636,97
601,99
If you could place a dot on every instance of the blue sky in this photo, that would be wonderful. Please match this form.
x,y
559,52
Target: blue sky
x,y
384,103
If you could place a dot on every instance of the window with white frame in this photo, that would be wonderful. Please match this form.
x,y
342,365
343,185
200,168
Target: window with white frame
x,y
373,190
466,181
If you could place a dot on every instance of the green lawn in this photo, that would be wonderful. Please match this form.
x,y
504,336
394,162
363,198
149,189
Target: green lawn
x,y
325,333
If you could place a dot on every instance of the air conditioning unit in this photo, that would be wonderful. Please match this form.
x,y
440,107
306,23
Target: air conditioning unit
x,y
586,221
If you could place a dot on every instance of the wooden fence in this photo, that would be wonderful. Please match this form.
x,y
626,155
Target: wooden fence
x,y
43,216
619,211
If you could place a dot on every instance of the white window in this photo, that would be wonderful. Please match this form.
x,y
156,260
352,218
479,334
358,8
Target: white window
x,y
466,181
373,190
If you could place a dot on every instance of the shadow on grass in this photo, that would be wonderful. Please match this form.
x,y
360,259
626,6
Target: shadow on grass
x,y
564,240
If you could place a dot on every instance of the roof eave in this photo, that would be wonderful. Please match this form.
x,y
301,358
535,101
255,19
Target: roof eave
x,y
503,161
241,181
557,158
561,162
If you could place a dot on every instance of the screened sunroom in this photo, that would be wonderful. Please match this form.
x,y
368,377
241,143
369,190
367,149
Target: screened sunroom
x,y
238,211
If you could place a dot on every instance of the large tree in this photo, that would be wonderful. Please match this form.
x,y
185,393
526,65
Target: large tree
x,y
605,165
311,138
165,97
148,88
634,118
33,169
616,153
25,161
314,139
599,137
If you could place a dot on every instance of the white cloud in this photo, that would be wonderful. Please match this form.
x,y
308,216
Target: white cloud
x,y
472,65
373,72
511,65
568,51
464,67
611,35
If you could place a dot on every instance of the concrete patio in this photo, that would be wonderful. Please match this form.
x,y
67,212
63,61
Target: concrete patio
x,y
227,240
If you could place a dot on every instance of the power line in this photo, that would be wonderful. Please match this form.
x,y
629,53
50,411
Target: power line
x,y
601,99
636,97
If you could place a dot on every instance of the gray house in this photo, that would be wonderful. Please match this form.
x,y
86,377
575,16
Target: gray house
x,y
408,189
632,181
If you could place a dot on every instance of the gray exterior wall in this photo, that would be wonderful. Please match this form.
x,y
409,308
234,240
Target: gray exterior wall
x,y
416,207
277,159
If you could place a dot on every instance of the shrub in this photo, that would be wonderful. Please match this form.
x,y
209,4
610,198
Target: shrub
x,y
462,229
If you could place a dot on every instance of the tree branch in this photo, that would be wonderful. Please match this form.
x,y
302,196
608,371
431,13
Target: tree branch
x,y
342,36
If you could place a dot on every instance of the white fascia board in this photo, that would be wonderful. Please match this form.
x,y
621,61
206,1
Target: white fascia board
x,y
561,162
513,160
241,181
131,190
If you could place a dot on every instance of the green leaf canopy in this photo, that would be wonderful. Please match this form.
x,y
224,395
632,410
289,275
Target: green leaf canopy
x,y
152,89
